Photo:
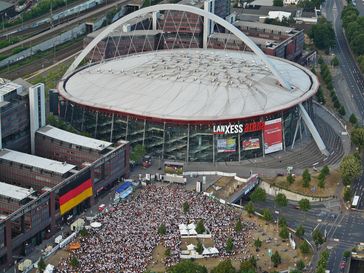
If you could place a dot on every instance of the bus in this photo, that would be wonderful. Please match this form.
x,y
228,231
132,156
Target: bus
x,y
355,201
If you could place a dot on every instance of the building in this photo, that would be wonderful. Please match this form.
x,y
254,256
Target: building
x,y
14,117
182,103
13,197
279,41
7,10
57,191
64,146
31,171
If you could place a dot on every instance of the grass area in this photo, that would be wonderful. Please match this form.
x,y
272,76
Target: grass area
x,y
51,77
297,186
38,56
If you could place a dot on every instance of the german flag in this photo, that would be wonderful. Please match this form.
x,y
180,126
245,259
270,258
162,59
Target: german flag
x,y
75,196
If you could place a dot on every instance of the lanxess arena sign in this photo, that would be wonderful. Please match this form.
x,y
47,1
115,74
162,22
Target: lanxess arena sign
x,y
237,128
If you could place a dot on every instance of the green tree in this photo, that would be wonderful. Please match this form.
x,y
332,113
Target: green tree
x,y
281,200
350,169
290,179
321,182
238,225
200,227
258,195
320,269
304,204
342,111
224,267
229,247
278,3
353,120
317,237
282,221
248,266
162,229
300,265
267,215
186,207
250,208
325,171
283,233
41,264
347,254
304,247
322,34
167,252
347,195
137,153
306,178
187,266
335,61
199,247
357,137
276,259
357,43
257,243
83,232
300,231
74,262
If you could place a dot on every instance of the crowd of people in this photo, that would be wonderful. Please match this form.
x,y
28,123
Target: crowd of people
x,y
129,234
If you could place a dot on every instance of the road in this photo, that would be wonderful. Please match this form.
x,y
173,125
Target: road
x,y
348,66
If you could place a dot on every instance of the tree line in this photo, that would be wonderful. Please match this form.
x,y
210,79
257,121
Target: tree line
x,y
354,30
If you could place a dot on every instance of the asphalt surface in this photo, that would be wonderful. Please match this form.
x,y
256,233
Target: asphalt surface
x,y
348,66
347,229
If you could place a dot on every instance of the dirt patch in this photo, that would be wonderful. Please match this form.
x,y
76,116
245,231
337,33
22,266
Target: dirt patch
x,y
208,242
313,190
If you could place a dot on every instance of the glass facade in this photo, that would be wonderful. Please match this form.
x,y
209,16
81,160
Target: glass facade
x,y
182,142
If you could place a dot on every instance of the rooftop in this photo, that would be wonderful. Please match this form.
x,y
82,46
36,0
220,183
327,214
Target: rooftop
x,y
36,161
189,84
72,138
5,5
14,192
258,25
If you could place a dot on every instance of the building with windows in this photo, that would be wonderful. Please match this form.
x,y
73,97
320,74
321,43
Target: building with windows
x,y
191,103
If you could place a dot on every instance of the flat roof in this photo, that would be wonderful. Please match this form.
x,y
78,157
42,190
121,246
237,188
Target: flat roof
x,y
5,5
62,135
14,192
36,161
189,85
259,25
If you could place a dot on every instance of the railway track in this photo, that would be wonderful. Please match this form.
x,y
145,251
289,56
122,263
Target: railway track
x,y
47,60
47,34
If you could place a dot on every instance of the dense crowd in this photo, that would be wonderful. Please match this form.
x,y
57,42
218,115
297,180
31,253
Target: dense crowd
x,y
129,234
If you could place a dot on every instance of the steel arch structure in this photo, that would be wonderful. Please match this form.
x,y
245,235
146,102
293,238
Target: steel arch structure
x,y
184,8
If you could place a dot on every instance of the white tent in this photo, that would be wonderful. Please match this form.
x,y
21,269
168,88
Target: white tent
x,y
191,226
193,232
191,247
49,268
206,251
184,232
213,250
182,226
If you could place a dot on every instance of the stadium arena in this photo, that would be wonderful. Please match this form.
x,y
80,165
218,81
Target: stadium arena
x,y
203,93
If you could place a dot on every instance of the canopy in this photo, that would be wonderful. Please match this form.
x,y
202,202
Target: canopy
x,y
124,186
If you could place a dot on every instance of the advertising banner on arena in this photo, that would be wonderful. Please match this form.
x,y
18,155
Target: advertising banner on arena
x,y
251,144
74,193
226,145
273,140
